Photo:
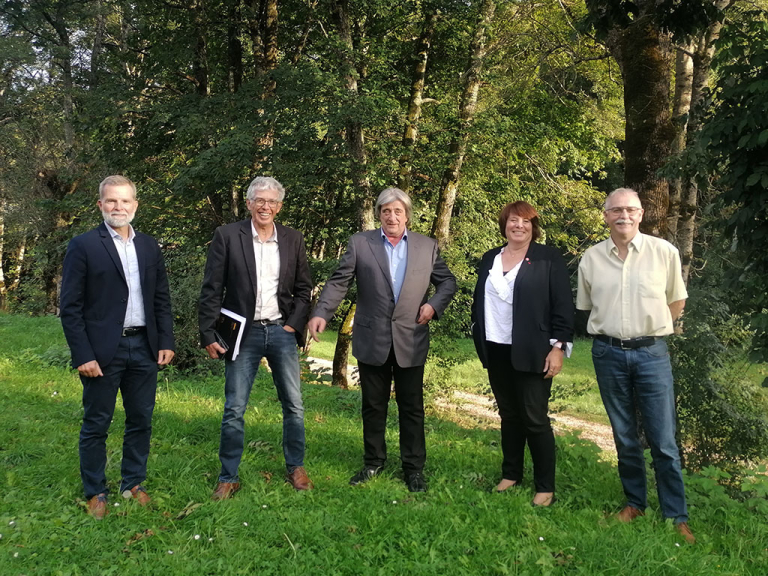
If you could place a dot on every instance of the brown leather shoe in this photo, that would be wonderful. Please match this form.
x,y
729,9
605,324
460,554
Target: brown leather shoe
x,y
97,506
629,513
685,532
225,490
299,479
139,494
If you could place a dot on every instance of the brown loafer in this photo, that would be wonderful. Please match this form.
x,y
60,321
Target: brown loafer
x,y
139,494
685,532
97,506
225,490
299,479
629,513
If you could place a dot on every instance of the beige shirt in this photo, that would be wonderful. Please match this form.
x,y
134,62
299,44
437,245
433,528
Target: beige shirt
x,y
267,257
630,299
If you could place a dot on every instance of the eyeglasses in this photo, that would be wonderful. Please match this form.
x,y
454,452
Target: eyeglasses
x,y
259,202
631,210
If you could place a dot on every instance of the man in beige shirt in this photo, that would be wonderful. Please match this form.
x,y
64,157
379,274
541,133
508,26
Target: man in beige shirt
x,y
633,287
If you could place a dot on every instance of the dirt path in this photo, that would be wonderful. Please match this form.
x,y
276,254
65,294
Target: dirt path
x,y
481,407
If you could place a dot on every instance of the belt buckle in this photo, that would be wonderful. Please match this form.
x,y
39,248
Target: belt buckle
x,y
623,347
264,322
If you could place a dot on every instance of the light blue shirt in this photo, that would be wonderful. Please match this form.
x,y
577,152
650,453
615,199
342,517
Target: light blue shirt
x,y
126,250
398,259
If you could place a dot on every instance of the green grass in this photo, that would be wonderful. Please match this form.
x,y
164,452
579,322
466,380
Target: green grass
x,y
458,527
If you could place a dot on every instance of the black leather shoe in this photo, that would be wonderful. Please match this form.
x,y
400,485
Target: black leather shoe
x,y
415,482
365,474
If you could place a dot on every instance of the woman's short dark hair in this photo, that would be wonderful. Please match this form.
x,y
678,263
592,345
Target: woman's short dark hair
x,y
524,210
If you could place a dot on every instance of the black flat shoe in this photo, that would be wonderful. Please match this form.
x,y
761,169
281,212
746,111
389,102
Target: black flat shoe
x,y
415,482
365,474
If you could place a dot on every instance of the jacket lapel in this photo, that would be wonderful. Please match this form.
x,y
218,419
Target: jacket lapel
x,y
376,245
109,245
246,239
283,250
530,256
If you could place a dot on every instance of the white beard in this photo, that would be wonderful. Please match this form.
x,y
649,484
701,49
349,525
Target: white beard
x,y
118,221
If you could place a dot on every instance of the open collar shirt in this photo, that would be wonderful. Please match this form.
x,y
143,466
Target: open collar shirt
x,y
398,258
126,250
630,298
267,255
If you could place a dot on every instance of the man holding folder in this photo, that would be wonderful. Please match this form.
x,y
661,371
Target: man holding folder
x,y
258,269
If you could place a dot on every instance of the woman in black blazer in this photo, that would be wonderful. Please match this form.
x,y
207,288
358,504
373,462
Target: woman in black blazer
x,y
522,315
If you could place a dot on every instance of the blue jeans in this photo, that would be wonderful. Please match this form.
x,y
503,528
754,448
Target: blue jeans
x,y
643,375
279,348
132,371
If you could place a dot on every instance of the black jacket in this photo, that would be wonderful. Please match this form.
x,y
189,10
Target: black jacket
x,y
542,307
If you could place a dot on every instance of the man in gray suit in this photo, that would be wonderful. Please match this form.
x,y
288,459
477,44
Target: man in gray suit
x,y
393,267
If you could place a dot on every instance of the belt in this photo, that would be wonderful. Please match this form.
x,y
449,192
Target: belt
x,y
630,343
134,330
266,322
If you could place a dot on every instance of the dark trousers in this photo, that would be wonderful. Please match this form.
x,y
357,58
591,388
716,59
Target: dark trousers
x,y
133,371
523,399
376,382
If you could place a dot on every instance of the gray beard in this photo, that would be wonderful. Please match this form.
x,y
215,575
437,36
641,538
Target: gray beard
x,y
118,221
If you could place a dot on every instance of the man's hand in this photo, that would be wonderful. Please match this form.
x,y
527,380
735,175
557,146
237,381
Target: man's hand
x,y
553,362
316,325
426,313
288,329
90,369
164,357
215,350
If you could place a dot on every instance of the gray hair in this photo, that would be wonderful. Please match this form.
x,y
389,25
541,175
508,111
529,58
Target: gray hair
x,y
116,180
265,183
621,191
389,195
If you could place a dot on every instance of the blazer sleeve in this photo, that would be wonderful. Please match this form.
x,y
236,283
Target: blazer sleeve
x,y
302,289
561,300
444,282
212,291
337,285
163,313
72,303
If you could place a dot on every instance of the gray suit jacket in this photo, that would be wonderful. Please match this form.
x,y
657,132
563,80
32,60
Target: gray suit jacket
x,y
379,323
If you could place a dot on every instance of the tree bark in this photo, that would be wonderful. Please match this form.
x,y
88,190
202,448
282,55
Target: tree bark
x,y
200,60
255,9
234,46
341,354
680,109
3,204
270,45
21,252
643,54
411,131
458,148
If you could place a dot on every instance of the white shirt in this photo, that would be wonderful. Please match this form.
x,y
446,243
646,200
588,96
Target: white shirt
x,y
267,256
630,298
126,250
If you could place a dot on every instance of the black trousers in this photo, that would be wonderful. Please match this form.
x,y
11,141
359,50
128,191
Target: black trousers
x,y
133,371
376,382
523,399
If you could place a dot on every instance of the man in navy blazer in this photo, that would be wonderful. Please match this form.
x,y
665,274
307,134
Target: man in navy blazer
x,y
116,315
258,269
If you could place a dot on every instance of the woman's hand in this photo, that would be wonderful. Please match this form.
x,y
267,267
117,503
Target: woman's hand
x,y
553,364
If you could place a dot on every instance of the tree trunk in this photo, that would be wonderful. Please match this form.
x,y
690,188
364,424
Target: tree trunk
x,y
458,148
3,305
680,109
270,45
200,61
98,40
341,354
354,128
255,9
302,44
643,53
234,46
63,60
21,251
411,131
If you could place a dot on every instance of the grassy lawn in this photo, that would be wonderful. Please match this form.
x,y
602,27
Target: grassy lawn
x,y
574,391
458,527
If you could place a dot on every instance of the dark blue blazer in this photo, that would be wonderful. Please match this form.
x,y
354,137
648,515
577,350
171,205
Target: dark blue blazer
x,y
94,296
542,307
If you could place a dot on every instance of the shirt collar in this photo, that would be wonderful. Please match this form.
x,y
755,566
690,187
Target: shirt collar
x,y
385,239
636,243
272,238
115,234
